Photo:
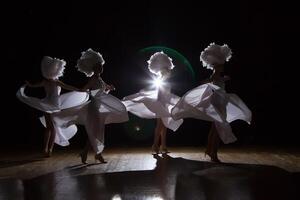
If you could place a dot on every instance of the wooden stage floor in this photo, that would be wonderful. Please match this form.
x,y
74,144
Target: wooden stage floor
x,y
134,173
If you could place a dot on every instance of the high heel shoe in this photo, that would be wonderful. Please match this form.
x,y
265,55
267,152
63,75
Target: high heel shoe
x,y
100,158
206,153
47,154
213,158
164,150
155,149
83,157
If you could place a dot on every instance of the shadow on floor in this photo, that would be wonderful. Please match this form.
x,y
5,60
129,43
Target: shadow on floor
x,y
11,163
172,178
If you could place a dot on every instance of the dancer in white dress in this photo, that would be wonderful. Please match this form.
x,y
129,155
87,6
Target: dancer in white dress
x,y
52,69
101,109
210,101
157,102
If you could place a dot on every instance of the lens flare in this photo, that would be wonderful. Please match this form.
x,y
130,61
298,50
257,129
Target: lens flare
x,y
157,82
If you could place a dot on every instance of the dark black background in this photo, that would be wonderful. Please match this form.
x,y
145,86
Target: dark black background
x,y
262,37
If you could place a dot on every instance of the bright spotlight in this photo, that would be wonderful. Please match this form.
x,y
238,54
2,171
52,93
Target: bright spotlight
x,y
116,197
158,82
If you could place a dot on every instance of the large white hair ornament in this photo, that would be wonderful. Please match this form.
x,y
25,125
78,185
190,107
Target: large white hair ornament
x,y
160,62
215,54
52,68
88,60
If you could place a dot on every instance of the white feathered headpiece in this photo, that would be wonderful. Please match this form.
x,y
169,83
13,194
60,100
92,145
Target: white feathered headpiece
x,y
52,68
88,60
159,62
215,54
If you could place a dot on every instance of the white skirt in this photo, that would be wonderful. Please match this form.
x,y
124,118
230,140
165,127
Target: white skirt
x,y
67,100
212,103
146,104
100,110
64,101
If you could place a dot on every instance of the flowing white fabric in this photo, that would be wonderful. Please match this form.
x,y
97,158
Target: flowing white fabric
x,y
53,103
101,109
212,103
62,134
156,103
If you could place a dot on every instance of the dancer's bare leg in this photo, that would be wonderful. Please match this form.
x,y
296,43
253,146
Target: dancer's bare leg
x,y
209,140
85,151
213,144
163,135
155,146
51,141
46,140
49,136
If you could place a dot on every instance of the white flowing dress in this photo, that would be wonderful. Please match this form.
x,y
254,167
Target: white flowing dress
x,y
101,109
53,103
155,103
211,102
